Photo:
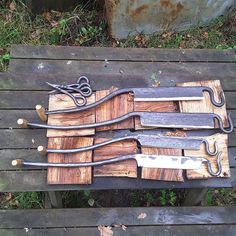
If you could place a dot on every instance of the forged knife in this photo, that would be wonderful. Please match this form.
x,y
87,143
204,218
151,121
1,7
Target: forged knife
x,y
151,119
155,94
143,160
187,143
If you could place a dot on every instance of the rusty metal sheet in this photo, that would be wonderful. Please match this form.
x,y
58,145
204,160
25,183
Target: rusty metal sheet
x,y
129,17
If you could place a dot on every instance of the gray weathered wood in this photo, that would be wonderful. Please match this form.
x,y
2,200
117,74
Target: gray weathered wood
x,y
20,181
180,230
55,199
37,81
22,138
120,54
147,70
88,217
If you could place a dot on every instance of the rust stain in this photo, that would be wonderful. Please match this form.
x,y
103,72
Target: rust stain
x,y
167,4
139,10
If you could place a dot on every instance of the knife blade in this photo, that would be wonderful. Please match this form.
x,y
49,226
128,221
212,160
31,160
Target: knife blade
x,y
143,160
160,141
151,119
192,93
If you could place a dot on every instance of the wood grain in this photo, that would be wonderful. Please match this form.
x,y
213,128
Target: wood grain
x,y
205,105
61,101
125,168
222,142
116,107
156,173
82,175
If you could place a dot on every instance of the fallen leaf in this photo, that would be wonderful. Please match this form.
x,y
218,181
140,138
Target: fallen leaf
x,y
91,202
12,6
182,44
205,35
105,230
142,216
124,227
9,197
47,16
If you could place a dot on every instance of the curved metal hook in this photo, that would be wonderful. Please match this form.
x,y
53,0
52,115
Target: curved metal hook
x,y
211,153
214,102
219,166
227,130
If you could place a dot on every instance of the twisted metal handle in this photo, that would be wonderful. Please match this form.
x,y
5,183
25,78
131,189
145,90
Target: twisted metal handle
x,y
213,101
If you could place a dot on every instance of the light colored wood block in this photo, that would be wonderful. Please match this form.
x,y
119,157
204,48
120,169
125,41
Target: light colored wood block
x,y
115,107
81,175
222,142
125,168
61,101
205,105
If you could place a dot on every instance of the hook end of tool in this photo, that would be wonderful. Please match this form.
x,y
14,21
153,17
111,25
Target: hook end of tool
x,y
17,162
22,123
42,150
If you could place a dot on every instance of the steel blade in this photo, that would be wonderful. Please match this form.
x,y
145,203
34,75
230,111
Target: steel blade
x,y
170,162
177,120
168,94
169,142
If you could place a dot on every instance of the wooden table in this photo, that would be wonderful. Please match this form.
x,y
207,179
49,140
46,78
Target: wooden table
x,y
23,86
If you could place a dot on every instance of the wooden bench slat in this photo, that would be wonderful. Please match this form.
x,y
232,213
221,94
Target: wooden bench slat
x,y
37,81
142,216
31,138
147,70
7,155
180,230
120,54
21,181
22,138
20,99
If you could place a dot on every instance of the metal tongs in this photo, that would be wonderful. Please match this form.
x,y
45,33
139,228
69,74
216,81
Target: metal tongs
x,y
82,89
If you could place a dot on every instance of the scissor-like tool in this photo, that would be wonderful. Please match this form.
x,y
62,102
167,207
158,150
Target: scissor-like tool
x,y
78,92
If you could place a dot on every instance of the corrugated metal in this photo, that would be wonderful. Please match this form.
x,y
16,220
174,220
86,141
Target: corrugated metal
x,y
148,16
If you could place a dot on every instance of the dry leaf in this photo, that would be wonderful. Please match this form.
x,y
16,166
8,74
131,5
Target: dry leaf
x,y
123,227
142,216
12,6
205,35
182,44
9,197
105,230
47,16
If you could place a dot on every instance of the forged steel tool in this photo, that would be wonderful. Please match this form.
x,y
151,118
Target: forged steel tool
x,y
152,119
187,143
82,88
155,94
143,160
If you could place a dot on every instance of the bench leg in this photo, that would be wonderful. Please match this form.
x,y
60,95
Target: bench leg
x,y
53,200
195,197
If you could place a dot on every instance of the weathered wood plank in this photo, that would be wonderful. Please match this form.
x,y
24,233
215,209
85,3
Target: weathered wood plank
x,y
20,181
22,138
31,138
37,81
146,70
7,155
8,117
90,217
10,99
120,54
181,230
69,175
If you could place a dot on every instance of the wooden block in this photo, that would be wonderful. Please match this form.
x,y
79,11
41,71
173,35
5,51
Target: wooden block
x,y
222,142
116,107
155,107
82,175
125,168
61,101
205,105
